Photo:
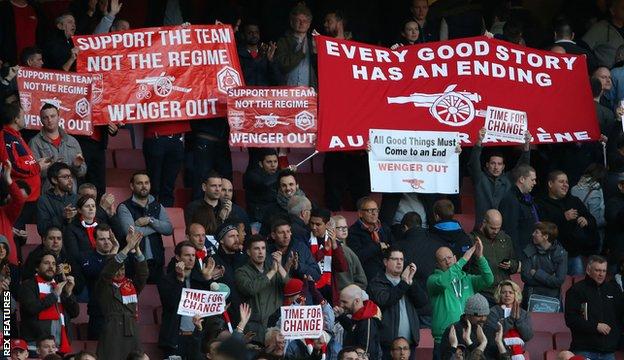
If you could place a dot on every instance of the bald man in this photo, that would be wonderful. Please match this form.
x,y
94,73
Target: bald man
x,y
497,249
449,287
362,329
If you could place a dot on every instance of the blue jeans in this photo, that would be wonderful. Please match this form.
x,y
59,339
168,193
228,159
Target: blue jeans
x,y
575,266
596,355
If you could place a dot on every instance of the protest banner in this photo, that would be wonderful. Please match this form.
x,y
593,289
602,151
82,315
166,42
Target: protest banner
x,y
448,86
160,74
69,92
301,322
414,161
272,117
199,302
505,124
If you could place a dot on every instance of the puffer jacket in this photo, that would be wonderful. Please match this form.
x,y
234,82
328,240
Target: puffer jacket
x,y
551,268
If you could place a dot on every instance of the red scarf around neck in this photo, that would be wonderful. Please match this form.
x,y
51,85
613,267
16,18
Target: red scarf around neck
x,y
90,228
127,290
54,312
324,259
373,230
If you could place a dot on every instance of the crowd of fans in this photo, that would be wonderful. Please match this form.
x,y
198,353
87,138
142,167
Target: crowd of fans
x,y
404,265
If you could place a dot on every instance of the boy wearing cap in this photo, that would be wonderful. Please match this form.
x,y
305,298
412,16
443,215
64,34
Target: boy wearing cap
x,y
19,349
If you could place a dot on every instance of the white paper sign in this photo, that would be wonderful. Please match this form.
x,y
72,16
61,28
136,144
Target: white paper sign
x,y
301,322
505,124
414,161
199,302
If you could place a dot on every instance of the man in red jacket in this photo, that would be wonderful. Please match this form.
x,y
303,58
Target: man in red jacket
x,y
11,203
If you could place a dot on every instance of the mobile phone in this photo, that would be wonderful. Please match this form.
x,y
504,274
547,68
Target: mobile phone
x,y
331,224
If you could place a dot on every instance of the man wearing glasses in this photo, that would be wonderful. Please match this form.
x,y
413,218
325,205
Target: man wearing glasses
x,y
352,353
56,206
368,237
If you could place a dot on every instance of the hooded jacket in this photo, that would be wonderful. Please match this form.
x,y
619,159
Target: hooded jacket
x,y
363,329
25,166
450,234
8,215
551,269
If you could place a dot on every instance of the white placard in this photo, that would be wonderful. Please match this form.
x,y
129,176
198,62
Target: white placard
x,y
505,124
199,302
301,322
414,161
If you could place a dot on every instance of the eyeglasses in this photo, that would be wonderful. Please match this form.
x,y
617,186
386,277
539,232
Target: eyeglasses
x,y
342,228
362,355
64,177
395,258
371,211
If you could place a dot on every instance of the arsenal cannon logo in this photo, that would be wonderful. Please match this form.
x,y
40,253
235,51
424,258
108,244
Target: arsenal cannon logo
x,y
304,120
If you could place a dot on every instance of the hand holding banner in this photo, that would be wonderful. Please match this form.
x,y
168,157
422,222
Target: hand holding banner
x,y
199,302
301,322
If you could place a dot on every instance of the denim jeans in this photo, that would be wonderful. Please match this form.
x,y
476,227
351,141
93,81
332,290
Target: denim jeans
x,y
596,355
575,266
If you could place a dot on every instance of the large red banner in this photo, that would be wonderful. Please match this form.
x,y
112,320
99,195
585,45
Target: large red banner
x,y
272,117
449,86
68,92
160,74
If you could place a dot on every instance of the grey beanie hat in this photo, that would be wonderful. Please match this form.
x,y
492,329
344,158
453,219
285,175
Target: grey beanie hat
x,y
477,305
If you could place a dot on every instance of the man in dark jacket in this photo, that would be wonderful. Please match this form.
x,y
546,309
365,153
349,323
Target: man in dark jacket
x,y
576,225
614,215
58,52
517,207
287,188
46,306
368,237
287,246
447,230
492,183
476,312
593,312
213,201
299,210
256,59
57,206
363,328
260,183
398,296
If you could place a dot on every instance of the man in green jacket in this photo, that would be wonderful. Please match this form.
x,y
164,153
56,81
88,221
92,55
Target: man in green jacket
x,y
449,287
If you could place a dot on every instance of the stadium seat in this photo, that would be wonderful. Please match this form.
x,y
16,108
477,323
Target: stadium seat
x,y
237,181
551,322
562,340
119,177
467,202
541,342
32,237
176,216
77,345
517,278
149,296
110,160
567,284
466,220
551,354
146,315
130,159
169,254
179,235
121,141
351,216
182,197
121,193
149,333
425,346
168,241
239,161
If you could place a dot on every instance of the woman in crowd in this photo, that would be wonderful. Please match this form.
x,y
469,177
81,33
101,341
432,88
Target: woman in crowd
x,y
410,34
80,234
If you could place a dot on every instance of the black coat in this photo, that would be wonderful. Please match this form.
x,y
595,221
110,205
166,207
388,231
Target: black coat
x,y
30,266
518,219
614,215
456,239
76,239
387,297
576,240
368,251
260,191
231,262
604,304
57,50
364,332
551,269
259,71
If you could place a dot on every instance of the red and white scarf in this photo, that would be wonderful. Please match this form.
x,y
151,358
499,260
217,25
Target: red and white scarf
x,y
201,255
515,344
127,290
90,228
54,312
324,260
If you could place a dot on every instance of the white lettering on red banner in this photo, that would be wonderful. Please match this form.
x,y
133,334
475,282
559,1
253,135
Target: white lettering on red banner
x,y
448,86
301,322
272,117
414,161
161,74
199,302
68,92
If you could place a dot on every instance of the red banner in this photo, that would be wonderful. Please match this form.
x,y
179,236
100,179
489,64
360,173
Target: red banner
x,y
69,92
449,86
272,117
160,74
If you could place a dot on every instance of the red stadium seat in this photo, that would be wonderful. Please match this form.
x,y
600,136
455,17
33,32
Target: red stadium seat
x,y
467,221
110,160
182,197
146,315
237,181
82,317
314,187
149,334
176,216
239,161
179,235
425,346
121,141
168,241
467,203
467,187
541,342
119,177
130,159
169,254
551,354
517,278
149,296
351,216
577,278
562,340
551,322
567,284
77,345
33,237
121,193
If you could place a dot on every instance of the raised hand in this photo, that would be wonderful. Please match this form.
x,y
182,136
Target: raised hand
x,y
69,286
478,248
467,333
453,337
245,315
79,160
179,269
481,338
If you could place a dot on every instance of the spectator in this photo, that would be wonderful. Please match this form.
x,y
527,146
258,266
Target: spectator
x,y
354,273
56,207
22,24
287,188
410,34
513,32
398,296
148,217
260,183
544,264
564,37
46,346
287,247
205,245
163,150
400,349
576,225
614,215
233,210
59,51
177,332
368,237
256,58
56,145
598,36
462,19
589,190
106,208
118,298
334,25
449,287
429,28
46,304
448,231
362,329
85,355
11,203
593,312
9,276
516,321
296,51
108,21
394,206
79,234
213,202
327,252
351,353
603,74
299,210
260,283
32,57
474,317
19,349
606,116
492,183
518,209
274,343
497,249
92,265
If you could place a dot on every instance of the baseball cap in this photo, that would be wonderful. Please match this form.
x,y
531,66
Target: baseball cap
x,y
19,344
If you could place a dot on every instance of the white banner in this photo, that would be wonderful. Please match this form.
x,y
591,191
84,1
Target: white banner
x,y
414,161
199,302
505,124
301,322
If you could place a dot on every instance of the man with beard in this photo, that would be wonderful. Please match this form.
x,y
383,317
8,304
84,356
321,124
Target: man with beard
x,y
260,183
230,258
334,25
475,315
362,329
56,207
287,187
256,58
148,217
47,305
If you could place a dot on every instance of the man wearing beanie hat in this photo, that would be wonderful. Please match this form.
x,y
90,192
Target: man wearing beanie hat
x,y
475,312
230,258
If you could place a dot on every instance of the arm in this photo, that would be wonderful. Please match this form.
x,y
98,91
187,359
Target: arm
x,y
126,220
574,315
29,299
142,273
523,325
250,285
286,57
417,294
162,225
485,278
474,163
170,290
555,280
307,266
384,294
46,217
15,205
439,281
364,250
70,305
104,25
